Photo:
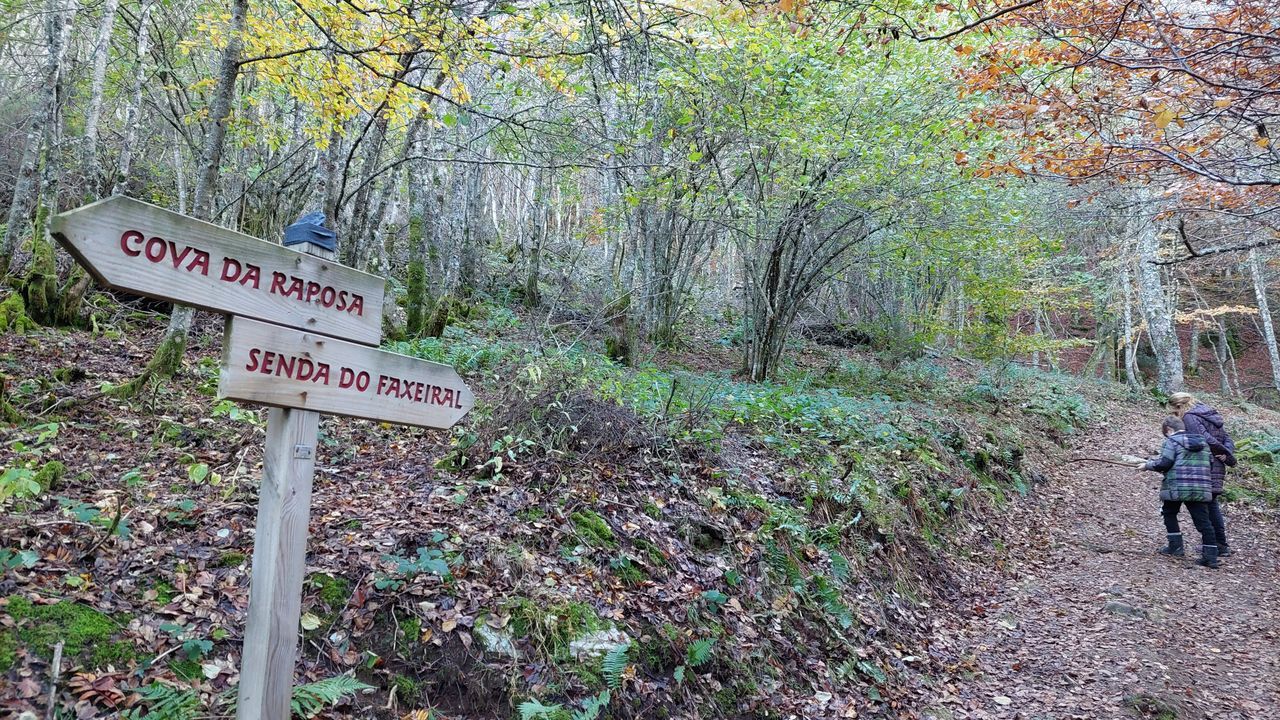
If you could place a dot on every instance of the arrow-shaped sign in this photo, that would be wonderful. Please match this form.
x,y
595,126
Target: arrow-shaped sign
x,y
287,368
150,251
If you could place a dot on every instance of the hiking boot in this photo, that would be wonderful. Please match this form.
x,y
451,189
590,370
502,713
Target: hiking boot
x,y
1208,556
1174,547
1223,549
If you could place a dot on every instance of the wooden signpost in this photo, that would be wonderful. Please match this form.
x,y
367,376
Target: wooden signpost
x,y
315,359
290,368
147,250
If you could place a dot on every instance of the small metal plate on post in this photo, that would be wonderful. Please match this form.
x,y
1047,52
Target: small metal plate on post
x,y
302,452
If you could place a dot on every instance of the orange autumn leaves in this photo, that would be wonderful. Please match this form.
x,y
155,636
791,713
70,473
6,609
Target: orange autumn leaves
x,y
1121,89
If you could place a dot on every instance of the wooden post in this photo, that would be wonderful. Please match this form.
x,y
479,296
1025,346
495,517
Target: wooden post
x,y
279,560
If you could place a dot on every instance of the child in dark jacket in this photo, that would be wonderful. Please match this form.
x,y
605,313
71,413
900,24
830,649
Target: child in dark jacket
x,y
1184,460
1204,420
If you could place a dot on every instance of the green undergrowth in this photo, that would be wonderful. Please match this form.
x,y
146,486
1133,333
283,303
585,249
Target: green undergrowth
x,y
810,500
1256,477
86,634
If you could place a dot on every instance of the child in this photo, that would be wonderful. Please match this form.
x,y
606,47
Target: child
x,y
1204,420
1184,460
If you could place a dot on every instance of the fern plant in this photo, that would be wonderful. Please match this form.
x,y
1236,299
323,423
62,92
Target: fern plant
x,y
699,652
535,710
614,665
593,706
308,700
164,702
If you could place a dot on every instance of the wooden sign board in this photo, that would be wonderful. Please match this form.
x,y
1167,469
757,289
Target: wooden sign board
x,y
147,250
287,368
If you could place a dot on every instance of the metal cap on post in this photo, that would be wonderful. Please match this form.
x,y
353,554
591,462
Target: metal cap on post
x,y
309,235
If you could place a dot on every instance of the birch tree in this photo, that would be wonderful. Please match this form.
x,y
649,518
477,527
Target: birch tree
x,y
173,344
101,52
1153,301
1264,315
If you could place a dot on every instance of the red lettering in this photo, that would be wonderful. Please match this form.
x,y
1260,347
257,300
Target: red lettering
x,y
342,299
253,359
382,384
267,358
177,257
295,288
252,275
357,305
362,381
277,283
322,374
155,249
230,269
313,289
128,237
346,378
435,395
327,295
417,392
285,365
447,397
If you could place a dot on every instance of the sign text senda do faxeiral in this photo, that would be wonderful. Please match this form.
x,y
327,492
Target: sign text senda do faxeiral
x,y
133,246
287,368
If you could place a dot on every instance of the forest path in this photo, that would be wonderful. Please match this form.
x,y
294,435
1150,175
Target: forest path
x,y
1086,618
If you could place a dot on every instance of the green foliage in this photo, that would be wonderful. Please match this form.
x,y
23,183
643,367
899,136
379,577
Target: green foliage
x,y
593,706
1258,455
614,665
593,530
428,561
467,353
8,650
699,652
308,700
82,630
19,482
10,558
13,315
335,591
535,710
550,628
30,475
165,702
630,573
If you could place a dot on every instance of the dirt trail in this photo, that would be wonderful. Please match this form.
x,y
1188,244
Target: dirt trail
x,y
1086,618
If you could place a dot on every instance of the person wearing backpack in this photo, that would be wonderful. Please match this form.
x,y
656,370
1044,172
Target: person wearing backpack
x,y
1204,420
1184,460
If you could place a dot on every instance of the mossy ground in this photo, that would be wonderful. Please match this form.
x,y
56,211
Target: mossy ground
x,y
85,632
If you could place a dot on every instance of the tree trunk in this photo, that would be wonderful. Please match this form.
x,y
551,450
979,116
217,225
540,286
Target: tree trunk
x,y
1264,314
39,132
1155,308
40,283
101,52
133,111
1193,352
173,344
1130,342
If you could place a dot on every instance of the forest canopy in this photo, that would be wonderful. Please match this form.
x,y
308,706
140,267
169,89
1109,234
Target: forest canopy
x,y
917,175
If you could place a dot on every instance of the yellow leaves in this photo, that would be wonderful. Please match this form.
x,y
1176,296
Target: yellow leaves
x,y
1262,142
1221,103
1165,115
